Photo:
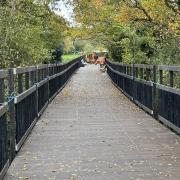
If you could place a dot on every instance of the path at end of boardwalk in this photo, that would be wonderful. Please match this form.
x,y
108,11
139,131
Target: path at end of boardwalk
x,y
91,131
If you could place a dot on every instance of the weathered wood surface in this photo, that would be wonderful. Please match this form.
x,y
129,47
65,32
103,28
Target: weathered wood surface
x,y
93,132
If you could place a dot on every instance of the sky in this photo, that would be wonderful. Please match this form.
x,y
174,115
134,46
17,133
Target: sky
x,y
63,9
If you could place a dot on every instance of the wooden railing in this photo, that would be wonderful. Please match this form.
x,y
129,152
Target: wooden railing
x,y
24,94
153,88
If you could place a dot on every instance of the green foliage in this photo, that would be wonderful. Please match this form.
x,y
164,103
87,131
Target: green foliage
x,y
169,52
140,45
145,31
75,45
29,32
79,45
69,45
69,57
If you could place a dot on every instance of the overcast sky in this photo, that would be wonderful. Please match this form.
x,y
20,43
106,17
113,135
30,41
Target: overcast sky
x,y
63,9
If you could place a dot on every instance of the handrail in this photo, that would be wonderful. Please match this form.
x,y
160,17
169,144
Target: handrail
x,y
169,68
145,72
144,84
20,70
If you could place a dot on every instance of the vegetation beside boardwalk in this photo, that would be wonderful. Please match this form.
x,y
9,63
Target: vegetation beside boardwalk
x,y
132,31
29,32
69,57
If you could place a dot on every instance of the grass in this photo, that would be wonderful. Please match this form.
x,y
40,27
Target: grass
x,y
69,57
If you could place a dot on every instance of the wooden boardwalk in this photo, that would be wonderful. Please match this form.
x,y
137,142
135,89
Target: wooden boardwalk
x,y
91,131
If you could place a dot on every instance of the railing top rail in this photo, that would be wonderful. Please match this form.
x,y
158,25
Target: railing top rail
x,y
143,66
42,66
151,73
149,66
21,70
3,73
51,65
120,64
61,64
169,68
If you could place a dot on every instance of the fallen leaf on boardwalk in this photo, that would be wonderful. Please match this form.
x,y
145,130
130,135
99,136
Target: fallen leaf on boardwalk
x,y
26,178
148,149
177,141
73,177
24,168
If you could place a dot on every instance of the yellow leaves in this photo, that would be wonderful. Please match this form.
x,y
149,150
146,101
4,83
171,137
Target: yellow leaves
x,y
174,27
125,14
97,15
98,3
78,33
153,5
157,10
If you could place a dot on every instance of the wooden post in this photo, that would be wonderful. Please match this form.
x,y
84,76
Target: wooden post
x,y
49,71
136,72
40,74
36,75
20,83
11,117
127,70
148,74
161,76
141,73
1,90
133,75
32,78
130,71
155,100
36,80
27,84
171,79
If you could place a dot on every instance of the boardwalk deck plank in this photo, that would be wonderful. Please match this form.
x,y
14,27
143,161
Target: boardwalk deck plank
x,y
91,131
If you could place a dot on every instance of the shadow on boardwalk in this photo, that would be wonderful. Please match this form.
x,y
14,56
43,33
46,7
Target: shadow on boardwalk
x,y
93,132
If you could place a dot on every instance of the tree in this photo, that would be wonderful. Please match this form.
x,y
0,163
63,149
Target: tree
x,y
133,31
29,32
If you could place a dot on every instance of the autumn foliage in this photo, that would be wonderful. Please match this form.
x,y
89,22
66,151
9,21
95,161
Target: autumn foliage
x,y
140,31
